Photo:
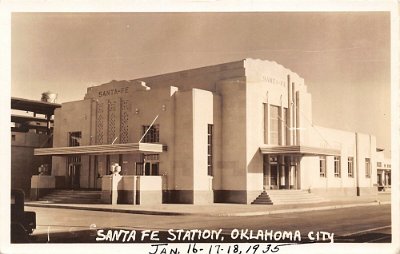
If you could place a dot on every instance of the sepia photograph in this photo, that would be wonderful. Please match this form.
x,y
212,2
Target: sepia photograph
x,y
202,131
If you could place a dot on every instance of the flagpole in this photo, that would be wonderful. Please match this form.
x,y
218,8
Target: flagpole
x,y
148,129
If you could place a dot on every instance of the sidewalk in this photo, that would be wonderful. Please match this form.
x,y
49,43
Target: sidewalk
x,y
222,209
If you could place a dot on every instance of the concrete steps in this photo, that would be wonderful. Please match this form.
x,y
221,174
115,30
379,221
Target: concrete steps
x,y
284,197
386,190
262,199
73,197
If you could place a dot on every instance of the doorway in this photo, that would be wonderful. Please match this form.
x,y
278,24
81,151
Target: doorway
x,y
73,179
280,172
274,176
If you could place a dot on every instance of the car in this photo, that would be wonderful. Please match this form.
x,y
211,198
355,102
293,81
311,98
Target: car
x,y
22,223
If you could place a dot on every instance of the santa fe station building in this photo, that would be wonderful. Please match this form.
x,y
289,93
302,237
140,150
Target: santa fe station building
x,y
222,133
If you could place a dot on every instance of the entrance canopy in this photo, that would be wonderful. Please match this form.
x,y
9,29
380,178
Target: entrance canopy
x,y
299,150
101,149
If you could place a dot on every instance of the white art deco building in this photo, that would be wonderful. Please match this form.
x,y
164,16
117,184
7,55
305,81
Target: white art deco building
x,y
223,133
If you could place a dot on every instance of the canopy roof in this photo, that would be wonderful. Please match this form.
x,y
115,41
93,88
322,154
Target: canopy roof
x,y
38,107
101,149
299,150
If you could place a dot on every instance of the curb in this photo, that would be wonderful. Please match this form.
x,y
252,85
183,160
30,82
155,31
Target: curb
x,y
238,214
299,210
116,210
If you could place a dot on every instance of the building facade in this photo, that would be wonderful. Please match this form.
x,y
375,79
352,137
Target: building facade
x,y
29,131
222,133
384,171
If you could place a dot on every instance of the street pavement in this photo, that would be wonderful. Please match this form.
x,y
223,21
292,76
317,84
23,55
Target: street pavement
x,y
355,223
222,209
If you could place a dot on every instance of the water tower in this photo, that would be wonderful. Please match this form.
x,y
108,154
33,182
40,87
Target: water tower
x,y
49,97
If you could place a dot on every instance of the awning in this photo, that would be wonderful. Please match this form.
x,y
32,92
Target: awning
x,y
299,150
101,149
24,119
39,107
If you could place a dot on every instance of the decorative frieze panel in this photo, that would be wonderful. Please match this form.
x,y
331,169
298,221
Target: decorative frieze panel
x,y
124,120
99,124
111,121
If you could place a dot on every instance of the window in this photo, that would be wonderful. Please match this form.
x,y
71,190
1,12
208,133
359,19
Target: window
x,y
336,161
147,168
367,167
13,137
210,149
154,167
285,127
75,138
273,159
274,125
74,159
149,165
152,135
322,166
350,167
151,157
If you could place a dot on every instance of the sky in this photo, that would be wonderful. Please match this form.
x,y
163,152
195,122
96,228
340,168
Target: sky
x,y
344,57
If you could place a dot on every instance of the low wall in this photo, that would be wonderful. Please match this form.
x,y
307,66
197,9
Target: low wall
x,y
106,189
41,185
345,191
365,191
143,190
127,192
230,196
335,192
149,190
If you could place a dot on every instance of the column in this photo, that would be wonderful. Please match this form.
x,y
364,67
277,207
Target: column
x,y
281,171
297,110
267,174
292,169
281,125
298,173
383,178
293,106
290,112
266,123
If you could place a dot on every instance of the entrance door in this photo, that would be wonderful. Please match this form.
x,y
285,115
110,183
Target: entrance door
x,y
151,169
274,176
282,173
74,176
151,164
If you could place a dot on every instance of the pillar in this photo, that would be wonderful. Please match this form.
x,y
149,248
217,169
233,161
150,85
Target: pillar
x,y
266,123
290,112
281,171
267,174
298,173
292,168
281,126
383,178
